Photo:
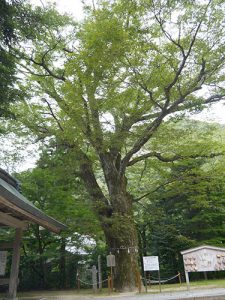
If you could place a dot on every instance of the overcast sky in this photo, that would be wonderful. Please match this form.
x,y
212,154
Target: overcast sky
x,y
73,7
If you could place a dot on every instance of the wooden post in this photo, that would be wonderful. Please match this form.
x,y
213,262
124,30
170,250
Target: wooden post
x,y
138,281
111,278
109,285
187,281
78,281
179,277
99,273
146,288
160,289
111,263
13,281
94,278
149,278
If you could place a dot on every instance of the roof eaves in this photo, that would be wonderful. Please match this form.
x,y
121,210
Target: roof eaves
x,y
201,248
11,194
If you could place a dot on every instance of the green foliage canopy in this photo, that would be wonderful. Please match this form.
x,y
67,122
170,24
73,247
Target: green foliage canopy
x,y
100,91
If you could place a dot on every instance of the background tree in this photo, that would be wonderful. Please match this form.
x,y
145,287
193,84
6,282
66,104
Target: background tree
x,y
7,63
186,204
102,89
13,21
50,260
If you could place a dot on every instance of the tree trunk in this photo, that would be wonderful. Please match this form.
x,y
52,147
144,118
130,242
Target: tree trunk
x,y
121,237
116,217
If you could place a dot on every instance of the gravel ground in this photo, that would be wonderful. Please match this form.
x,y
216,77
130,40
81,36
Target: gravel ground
x,y
206,294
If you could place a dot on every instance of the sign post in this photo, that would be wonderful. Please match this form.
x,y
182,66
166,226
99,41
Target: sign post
x,y
160,289
151,263
146,288
203,259
111,262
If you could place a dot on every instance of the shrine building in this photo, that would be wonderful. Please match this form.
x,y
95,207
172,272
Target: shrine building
x,y
17,212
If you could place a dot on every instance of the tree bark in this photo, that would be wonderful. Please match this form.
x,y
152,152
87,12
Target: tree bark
x,y
121,238
116,218
121,234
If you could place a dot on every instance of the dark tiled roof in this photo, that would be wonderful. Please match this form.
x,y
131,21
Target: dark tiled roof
x,y
9,179
15,202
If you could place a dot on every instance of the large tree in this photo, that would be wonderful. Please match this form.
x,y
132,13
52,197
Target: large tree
x,y
101,89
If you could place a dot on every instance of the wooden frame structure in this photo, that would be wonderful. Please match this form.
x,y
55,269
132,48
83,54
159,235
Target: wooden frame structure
x,y
17,212
203,259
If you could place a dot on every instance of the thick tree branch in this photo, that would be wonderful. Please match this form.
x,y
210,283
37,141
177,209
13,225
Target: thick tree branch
x,y
193,86
173,158
44,65
46,68
214,98
156,123
100,202
141,141
29,71
68,50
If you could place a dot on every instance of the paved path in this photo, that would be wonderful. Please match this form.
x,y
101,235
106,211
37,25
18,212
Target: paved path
x,y
196,294
203,294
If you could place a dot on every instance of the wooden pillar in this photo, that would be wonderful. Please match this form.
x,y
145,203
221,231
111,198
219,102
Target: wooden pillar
x,y
94,278
187,281
99,273
13,281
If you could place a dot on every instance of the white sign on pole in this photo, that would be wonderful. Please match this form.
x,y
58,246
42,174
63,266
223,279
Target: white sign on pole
x,y
151,263
111,262
3,260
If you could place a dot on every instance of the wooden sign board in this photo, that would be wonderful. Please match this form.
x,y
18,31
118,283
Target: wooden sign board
x,y
151,263
111,262
204,260
3,261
